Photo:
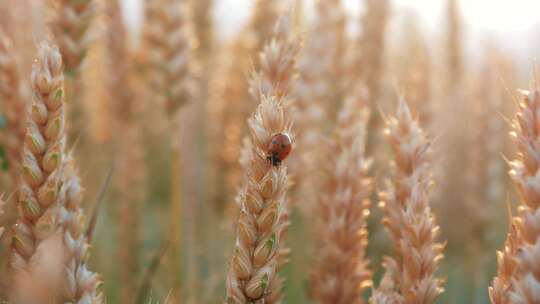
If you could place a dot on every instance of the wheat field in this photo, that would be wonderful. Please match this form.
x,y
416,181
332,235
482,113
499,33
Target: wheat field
x,y
311,153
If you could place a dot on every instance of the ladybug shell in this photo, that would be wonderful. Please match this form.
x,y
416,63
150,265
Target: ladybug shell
x,y
280,146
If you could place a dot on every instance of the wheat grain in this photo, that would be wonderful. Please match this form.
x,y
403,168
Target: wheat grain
x,y
340,273
408,216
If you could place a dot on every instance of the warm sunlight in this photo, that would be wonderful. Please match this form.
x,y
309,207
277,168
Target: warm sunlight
x,y
269,151
491,15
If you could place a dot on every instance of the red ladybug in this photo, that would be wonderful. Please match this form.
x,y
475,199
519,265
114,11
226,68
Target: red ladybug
x,y
279,148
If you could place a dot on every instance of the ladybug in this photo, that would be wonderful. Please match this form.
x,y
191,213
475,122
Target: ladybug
x,y
279,148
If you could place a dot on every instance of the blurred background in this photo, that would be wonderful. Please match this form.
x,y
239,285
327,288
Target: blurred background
x,y
458,63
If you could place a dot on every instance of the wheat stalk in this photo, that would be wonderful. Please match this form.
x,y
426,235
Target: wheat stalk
x,y
80,284
259,249
453,46
43,153
129,150
71,30
371,44
317,93
120,62
253,267
340,273
277,77
408,216
169,35
518,262
14,106
203,27
262,22
414,70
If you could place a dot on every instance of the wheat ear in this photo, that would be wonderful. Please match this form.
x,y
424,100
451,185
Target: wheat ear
x,y
71,30
340,273
43,153
80,283
277,71
408,216
517,280
14,106
252,274
169,36
261,228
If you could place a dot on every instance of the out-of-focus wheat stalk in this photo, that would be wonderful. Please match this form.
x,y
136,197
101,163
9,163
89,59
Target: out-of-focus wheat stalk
x,y
414,71
262,24
321,64
453,45
71,30
484,175
317,93
252,274
80,284
372,45
126,105
369,65
203,27
408,216
95,101
478,207
14,107
340,273
517,280
43,153
453,147
169,36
